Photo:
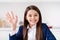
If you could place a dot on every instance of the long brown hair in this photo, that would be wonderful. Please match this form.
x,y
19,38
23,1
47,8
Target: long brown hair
x,y
39,35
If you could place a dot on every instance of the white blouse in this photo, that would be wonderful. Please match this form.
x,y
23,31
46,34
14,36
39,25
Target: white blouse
x,y
32,33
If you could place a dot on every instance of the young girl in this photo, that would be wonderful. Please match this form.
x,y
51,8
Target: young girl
x,y
32,29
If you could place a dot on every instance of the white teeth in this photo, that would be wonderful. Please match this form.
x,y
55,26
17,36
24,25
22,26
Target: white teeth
x,y
32,20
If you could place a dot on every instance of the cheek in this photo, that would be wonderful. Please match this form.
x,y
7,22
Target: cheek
x,y
27,18
37,18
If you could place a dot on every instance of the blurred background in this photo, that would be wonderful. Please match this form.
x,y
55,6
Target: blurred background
x,y
50,10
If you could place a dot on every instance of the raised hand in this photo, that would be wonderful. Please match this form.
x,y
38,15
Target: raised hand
x,y
12,20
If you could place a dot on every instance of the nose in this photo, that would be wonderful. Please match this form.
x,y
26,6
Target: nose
x,y
32,17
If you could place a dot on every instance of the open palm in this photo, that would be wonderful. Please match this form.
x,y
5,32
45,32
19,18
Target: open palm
x,y
12,20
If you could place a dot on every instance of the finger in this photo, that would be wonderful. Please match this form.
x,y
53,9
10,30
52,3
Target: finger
x,y
12,14
8,15
16,19
8,18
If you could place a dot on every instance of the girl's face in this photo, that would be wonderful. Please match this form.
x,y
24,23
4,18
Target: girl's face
x,y
32,17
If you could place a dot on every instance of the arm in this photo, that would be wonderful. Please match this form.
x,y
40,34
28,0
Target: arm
x,y
18,35
12,20
49,34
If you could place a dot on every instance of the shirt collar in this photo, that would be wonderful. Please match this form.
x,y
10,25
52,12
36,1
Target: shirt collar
x,y
33,27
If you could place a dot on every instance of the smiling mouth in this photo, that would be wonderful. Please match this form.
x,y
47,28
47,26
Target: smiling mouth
x,y
33,21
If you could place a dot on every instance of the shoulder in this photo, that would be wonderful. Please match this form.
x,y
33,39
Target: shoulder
x,y
21,27
44,26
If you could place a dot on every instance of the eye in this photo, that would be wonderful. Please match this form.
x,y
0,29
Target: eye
x,y
30,15
35,15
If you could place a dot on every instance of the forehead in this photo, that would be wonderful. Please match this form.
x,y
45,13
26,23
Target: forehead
x,y
32,12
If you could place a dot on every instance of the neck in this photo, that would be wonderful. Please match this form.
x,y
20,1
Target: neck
x,y
31,26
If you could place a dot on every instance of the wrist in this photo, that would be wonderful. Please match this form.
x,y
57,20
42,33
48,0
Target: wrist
x,y
13,28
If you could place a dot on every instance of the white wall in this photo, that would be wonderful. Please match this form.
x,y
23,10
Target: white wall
x,y
29,0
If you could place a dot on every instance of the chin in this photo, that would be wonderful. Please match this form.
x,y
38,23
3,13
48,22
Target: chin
x,y
33,23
